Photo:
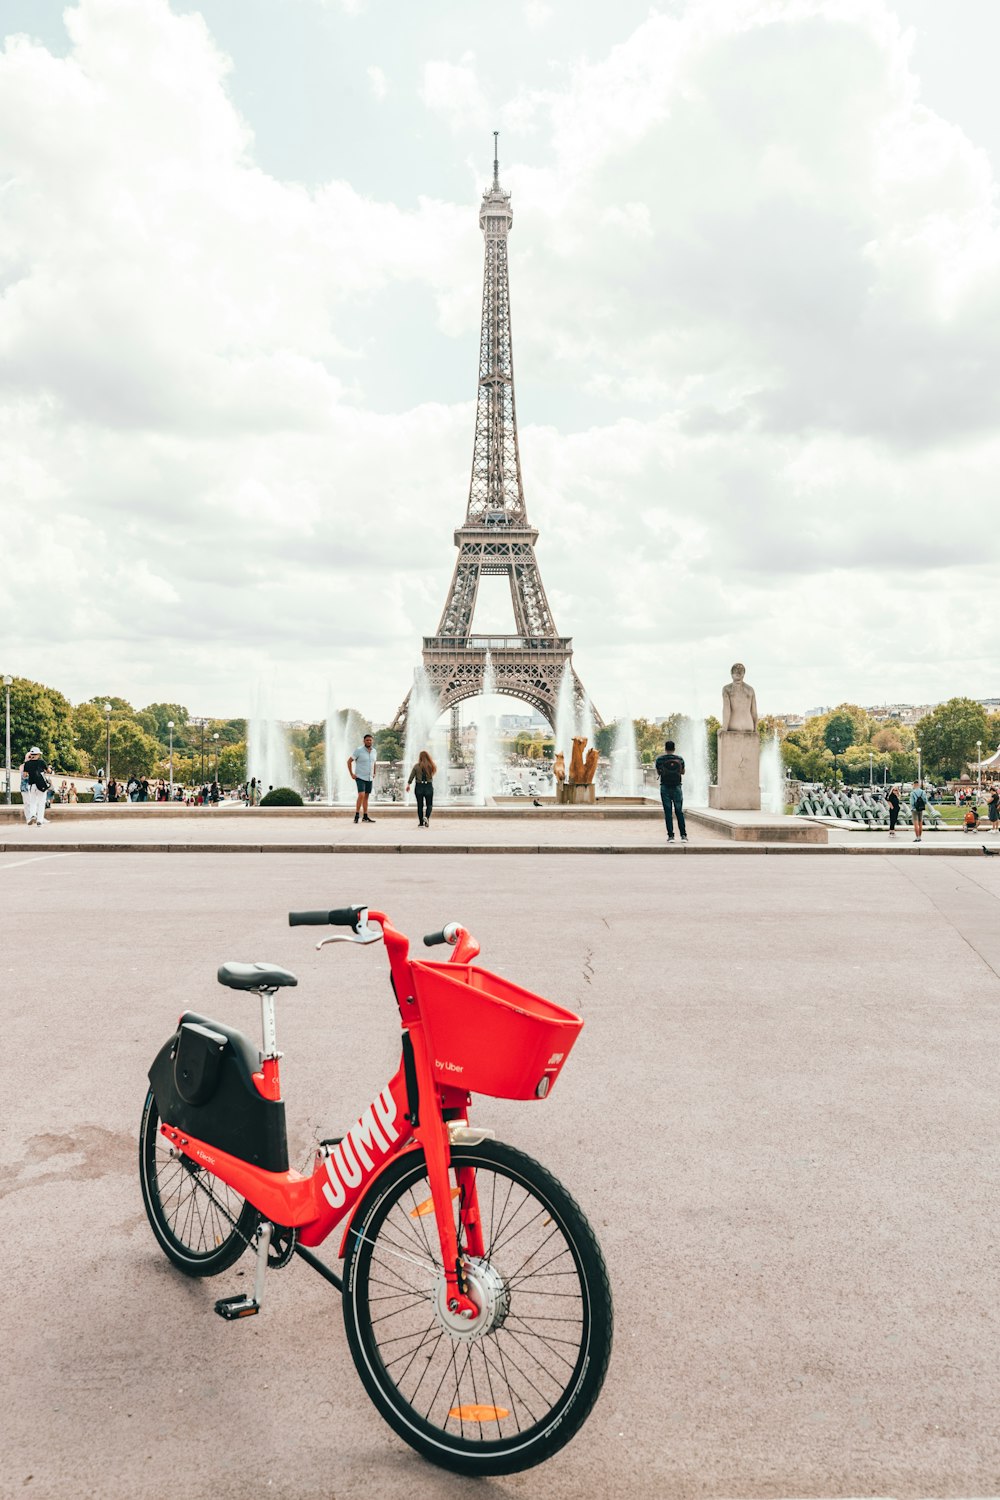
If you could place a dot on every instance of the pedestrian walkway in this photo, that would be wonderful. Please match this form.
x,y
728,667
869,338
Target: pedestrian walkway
x,y
468,831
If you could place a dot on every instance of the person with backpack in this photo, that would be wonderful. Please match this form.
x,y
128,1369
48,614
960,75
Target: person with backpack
x,y
918,806
34,786
670,769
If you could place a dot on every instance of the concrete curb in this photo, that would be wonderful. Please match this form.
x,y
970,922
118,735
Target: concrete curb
x,y
738,849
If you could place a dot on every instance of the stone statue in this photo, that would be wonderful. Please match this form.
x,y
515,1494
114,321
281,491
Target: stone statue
x,y
739,701
737,785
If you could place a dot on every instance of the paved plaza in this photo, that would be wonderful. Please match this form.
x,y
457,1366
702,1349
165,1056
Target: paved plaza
x,y
781,1119
518,829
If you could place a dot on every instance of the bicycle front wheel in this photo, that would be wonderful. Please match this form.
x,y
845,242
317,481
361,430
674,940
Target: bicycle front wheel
x,y
508,1390
201,1223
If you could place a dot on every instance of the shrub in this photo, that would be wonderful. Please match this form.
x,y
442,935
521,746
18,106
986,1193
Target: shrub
x,y
282,796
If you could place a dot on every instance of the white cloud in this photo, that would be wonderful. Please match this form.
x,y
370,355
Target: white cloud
x,y
453,91
377,82
756,311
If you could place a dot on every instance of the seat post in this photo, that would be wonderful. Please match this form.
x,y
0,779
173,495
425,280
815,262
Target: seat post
x,y
268,1025
268,1081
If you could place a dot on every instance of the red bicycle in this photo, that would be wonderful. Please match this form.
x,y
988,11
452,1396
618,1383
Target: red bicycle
x,y
475,1295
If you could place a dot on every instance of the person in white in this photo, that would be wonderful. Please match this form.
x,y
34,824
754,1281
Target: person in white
x,y
34,798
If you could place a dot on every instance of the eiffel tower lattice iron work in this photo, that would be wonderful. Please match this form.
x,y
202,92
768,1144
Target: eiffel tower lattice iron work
x,y
496,538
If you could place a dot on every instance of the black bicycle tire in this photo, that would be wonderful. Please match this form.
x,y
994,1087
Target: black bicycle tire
x,y
192,1262
563,1421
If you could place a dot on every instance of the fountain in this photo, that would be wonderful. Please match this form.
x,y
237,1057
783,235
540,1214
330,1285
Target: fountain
x,y
772,777
565,725
692,745
421,717
343,732
625,761
268,757
487,752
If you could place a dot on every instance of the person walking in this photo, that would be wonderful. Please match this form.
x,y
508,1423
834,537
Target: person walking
x,y
670,769
893,801
361,766
918,806
33,777
423,774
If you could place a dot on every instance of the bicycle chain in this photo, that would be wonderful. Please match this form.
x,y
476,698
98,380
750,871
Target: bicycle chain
x,y
283,1240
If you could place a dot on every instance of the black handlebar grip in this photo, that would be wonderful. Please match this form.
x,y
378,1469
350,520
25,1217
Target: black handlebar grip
x,y
432,939
344,916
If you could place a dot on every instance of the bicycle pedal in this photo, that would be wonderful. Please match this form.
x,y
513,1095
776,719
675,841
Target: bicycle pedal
x,y
332,1140
232,1308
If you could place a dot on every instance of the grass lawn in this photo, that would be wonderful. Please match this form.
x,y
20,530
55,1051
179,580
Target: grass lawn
x,y
957,814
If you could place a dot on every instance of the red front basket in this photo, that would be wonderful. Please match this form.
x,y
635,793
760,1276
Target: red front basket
x,y
489,1036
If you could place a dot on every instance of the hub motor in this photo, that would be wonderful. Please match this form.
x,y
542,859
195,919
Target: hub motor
x,y
487,1289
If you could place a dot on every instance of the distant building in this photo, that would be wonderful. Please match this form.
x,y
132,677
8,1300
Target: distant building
x,y
814,713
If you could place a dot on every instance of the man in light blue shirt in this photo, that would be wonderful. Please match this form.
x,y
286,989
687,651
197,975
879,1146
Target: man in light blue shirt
x,y
918,804
361,765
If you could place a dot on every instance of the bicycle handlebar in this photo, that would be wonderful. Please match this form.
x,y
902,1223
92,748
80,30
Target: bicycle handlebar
x,y
447,934
342,916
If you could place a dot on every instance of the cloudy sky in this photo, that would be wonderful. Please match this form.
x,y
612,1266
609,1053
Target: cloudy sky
x,y
755,276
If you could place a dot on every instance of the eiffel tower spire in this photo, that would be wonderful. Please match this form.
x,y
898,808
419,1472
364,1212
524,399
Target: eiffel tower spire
x,y
496,537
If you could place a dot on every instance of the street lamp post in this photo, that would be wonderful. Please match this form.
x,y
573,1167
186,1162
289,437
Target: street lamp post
x,y
107,756
7,682
871,768
170,726
215,743
979,767
920,774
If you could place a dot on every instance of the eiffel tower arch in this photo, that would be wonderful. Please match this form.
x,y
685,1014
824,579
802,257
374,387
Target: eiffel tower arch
x,y
496,538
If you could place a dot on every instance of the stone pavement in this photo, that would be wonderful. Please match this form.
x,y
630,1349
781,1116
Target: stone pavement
x,y
781,1118
514,830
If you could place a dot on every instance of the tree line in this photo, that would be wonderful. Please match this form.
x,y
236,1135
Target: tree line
x,y
845,744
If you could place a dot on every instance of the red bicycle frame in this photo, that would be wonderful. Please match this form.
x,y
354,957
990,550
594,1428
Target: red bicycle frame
x,y
413,1112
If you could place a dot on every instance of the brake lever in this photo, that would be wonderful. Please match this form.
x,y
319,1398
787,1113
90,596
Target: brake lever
x,y
365,936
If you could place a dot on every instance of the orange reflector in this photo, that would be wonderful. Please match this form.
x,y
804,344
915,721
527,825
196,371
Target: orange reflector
x,y
427,1207
478,1413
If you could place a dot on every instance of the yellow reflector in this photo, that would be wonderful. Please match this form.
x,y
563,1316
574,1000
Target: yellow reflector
x,y
478,1413
427,1207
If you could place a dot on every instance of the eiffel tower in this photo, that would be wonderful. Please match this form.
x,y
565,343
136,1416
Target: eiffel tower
x,y
496,538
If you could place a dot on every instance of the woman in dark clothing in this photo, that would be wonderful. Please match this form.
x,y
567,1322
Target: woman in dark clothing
x,y
893,801
33,771
423,774
993,809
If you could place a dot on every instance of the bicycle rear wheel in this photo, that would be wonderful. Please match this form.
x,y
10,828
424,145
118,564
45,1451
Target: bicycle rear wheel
x,y
201,1223
507,1391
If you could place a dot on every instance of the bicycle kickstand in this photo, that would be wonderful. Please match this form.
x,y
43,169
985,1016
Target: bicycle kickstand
x,y
243,1306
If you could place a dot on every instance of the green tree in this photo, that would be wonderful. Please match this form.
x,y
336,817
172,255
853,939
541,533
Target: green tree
x,y
163,713
388,745
89,728
863,725
32,720
712,727
133,751
604,740
839,733
233,765
948,736
119,705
